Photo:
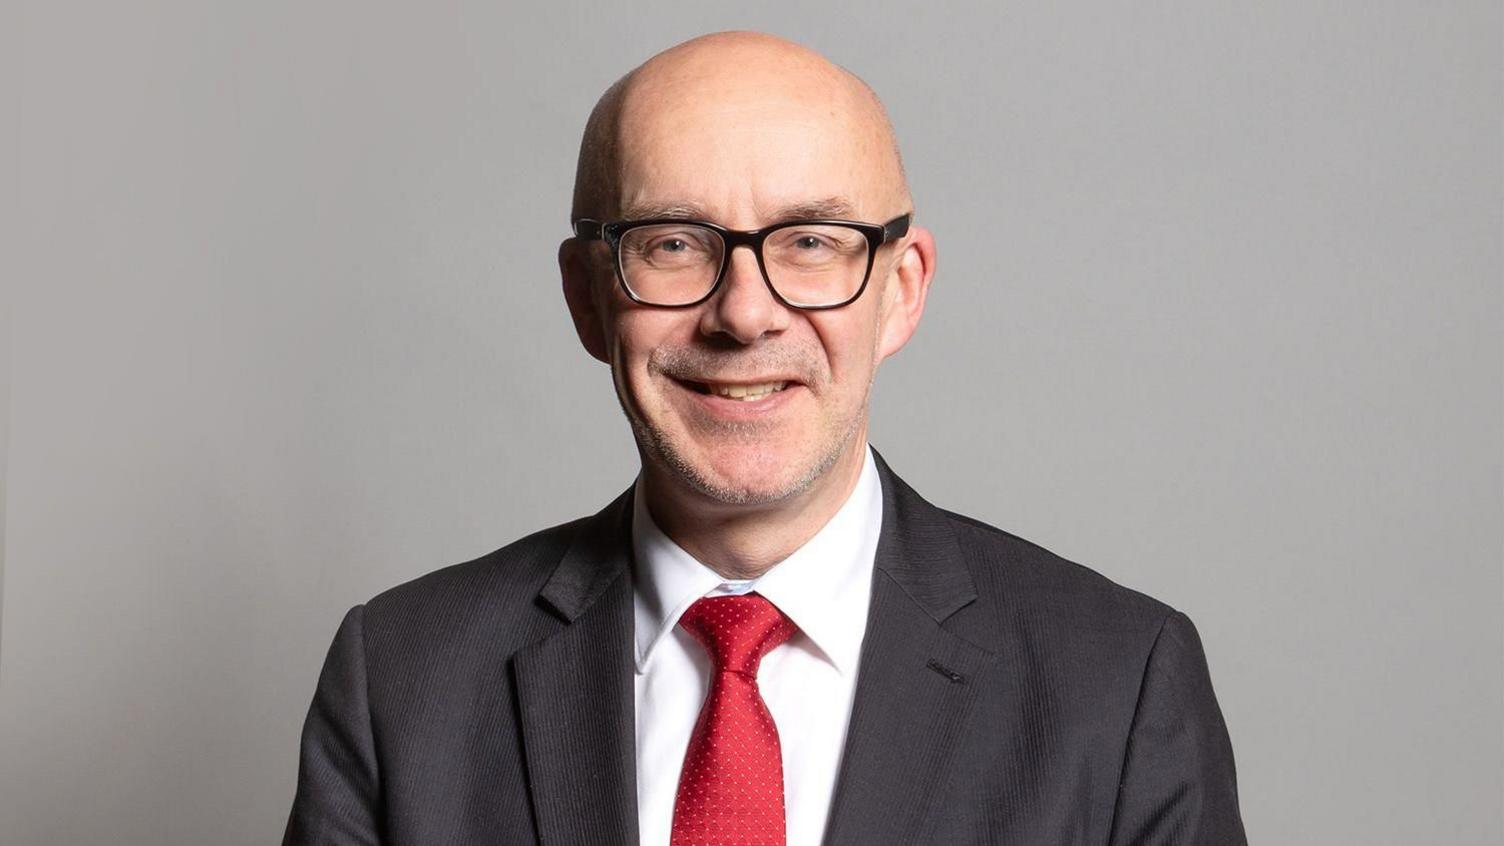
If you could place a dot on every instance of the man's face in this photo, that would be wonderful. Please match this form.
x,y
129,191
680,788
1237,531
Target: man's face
x,y
745,159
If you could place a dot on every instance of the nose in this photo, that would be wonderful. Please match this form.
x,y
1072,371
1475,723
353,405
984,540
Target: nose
x,y
743,308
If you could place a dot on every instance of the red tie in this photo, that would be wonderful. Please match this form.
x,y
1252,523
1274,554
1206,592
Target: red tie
x,y
731,787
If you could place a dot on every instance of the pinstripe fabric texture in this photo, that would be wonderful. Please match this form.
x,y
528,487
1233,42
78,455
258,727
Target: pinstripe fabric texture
x,y
1004,695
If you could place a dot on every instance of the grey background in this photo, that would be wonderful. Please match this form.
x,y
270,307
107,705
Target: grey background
x,y
1218,313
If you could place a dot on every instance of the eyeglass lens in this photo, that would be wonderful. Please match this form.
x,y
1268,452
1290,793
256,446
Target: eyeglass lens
x,y
807,264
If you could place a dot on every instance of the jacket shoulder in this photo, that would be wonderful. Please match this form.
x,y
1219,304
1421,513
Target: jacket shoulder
x,y
1017,576
492,598
527,559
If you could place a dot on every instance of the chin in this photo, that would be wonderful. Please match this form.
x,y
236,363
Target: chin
x,y
741,474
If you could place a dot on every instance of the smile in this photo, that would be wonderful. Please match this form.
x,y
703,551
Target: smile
x,y
743,392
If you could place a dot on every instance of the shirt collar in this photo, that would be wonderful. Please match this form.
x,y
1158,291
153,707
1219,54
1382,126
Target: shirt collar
x,y
825,586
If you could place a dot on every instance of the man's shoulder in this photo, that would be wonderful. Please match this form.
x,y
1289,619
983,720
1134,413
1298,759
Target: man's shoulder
x,y
492,596
1019,584
525,559
1024,580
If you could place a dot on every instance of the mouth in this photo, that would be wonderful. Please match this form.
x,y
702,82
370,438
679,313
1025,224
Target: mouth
x,y
740,391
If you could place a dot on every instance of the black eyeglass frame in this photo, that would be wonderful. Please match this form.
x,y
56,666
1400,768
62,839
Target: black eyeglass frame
x,y
877,234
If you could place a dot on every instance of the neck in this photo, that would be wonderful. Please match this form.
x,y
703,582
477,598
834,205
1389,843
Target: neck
x,y
746,541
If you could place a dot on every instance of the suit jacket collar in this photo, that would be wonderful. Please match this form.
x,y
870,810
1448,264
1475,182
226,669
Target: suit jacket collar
x,y
574,691
918,550
916,683
598,556
915,687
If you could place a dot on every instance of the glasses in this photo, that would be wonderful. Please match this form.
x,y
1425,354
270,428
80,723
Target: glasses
x,y
808,264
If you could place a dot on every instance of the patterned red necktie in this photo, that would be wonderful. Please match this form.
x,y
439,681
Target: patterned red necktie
x,y
731,787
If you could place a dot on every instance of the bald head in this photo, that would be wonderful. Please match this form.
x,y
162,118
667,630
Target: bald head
x,y
754,102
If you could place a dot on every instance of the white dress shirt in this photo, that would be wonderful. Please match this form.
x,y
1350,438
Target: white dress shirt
x,y
808,682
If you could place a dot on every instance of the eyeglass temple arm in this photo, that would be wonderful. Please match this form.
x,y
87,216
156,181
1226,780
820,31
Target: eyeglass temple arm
x,y
590,230
895,228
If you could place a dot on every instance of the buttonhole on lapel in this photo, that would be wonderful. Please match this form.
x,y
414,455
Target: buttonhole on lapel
x,y
955,677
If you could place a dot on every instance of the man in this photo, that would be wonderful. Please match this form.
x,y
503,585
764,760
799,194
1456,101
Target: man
x,y
769,638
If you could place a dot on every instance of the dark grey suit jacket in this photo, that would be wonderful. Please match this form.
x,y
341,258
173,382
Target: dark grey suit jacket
x,y
1005,695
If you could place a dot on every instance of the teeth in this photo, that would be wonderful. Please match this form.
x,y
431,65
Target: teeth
x,y
747,393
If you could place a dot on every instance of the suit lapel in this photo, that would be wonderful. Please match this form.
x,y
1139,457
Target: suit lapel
x,y
916,685
916,681
575,692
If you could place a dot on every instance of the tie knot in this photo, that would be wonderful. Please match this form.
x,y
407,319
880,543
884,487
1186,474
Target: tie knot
x,y
737,630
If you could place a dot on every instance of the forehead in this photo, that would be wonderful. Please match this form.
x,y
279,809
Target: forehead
x,y
743,150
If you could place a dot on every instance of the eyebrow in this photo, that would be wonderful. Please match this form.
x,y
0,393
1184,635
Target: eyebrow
x,y
828,208
646,211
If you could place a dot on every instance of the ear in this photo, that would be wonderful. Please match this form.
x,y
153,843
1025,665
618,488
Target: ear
x,y
579,295
908,285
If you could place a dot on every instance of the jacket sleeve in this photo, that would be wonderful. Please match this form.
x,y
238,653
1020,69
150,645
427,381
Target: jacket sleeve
x,y
338,797
1177,785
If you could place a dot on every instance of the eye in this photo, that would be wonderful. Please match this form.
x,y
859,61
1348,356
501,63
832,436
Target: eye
x,y
677,246
815,246
669,244
805,241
